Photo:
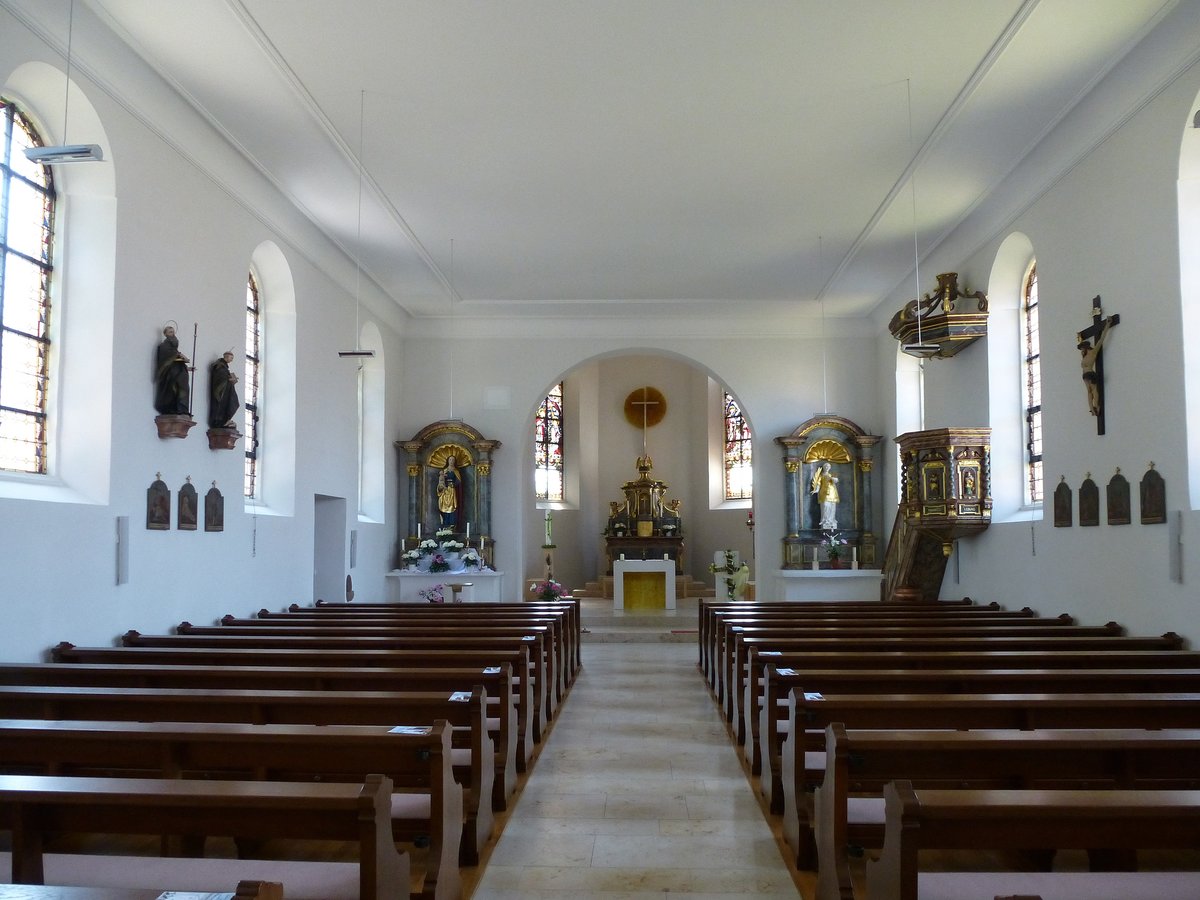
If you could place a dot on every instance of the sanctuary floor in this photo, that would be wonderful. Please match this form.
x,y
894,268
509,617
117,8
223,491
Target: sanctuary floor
x,y
638,791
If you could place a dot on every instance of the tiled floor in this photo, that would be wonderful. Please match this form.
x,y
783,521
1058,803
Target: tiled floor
x,y
638,793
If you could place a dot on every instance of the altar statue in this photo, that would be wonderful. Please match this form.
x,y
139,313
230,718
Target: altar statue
x,y
824,486
449,493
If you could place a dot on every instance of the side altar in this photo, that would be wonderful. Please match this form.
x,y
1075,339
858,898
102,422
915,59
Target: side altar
x,y
448,501
645,525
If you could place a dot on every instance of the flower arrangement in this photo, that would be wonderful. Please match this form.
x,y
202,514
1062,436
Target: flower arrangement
x,y
833,543
471,558
411,557
549,589
439,563
432,594
442,533
426,547
729,568
452,546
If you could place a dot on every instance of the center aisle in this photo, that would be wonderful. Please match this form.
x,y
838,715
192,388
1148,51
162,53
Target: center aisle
x,y
638,792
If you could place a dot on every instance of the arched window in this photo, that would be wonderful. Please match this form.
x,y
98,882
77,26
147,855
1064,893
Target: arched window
x,y
26,218
548,447
250,393
1032,370
738,453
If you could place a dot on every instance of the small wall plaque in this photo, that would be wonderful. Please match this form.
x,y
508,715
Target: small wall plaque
x,y
1118,499
1089,502
1063,517
189,507
1154,497
214,510
158,505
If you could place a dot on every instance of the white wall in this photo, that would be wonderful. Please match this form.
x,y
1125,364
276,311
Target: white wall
x,y
1108,227
183,247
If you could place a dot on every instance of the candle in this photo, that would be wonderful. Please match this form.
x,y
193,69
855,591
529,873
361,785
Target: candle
x,y
622,557
418,531
468,532
665,557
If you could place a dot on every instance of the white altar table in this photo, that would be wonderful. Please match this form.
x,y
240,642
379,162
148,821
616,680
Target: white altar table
x,y
664,567
403,585
825,584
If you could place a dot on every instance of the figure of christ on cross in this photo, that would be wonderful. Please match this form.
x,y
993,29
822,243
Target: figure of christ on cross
x,y
1091,347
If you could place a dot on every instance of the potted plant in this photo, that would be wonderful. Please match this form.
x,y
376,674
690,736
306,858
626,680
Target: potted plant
x,y
432,594
833,548
439,563
411,558
548,589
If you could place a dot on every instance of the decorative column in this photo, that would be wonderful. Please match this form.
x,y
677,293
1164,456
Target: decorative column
x,y
868,449
793,449
410,507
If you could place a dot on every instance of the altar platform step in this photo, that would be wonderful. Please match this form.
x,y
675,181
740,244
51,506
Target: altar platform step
x,y
605,625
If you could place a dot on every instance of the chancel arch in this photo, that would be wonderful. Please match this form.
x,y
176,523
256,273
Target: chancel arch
x,y
603,448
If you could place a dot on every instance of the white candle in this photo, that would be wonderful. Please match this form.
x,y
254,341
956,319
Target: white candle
x,y
854,554
418,531
468,532
622,556
665,557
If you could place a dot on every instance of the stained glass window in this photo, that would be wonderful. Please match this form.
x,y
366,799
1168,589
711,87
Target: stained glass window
x,y
548,446
739,459
26,231
250,391
1033,388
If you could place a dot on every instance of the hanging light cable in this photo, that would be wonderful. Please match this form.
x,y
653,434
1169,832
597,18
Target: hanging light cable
x,y
64,152
824,375
920,349
358,352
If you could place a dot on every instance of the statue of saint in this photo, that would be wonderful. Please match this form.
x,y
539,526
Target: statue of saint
x,y
222,395
824,486
449,493
172,395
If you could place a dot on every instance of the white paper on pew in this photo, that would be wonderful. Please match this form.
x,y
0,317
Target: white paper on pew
x,y
460,697
785,671
737,628
411,729
189,895
491,670
529,637
813,695
770,653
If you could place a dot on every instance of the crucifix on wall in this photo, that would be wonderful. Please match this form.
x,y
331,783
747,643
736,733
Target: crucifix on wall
x,y
1091,349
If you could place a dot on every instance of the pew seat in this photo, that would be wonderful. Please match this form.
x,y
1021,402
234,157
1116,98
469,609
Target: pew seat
x,y
1009,820
35,807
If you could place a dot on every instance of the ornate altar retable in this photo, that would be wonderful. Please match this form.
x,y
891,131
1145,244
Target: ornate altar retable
x,y
644,526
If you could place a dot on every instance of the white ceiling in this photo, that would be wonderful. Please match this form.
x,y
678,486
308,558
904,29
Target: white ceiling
x,y
586,156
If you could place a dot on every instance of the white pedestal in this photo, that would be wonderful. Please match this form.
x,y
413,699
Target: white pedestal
x,y
621,566
403,586
826,584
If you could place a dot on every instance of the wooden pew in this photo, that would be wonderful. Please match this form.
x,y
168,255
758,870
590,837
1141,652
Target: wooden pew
x,y
568,611
557,655
246,890
709,611
1018,820
497,682
426,808
746,644
571,606
723,623
258,707
768,705
860,763
531,720
542,659
33,806
803,762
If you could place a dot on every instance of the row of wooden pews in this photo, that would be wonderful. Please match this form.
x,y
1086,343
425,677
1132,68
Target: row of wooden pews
x,y
433,709
833,702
